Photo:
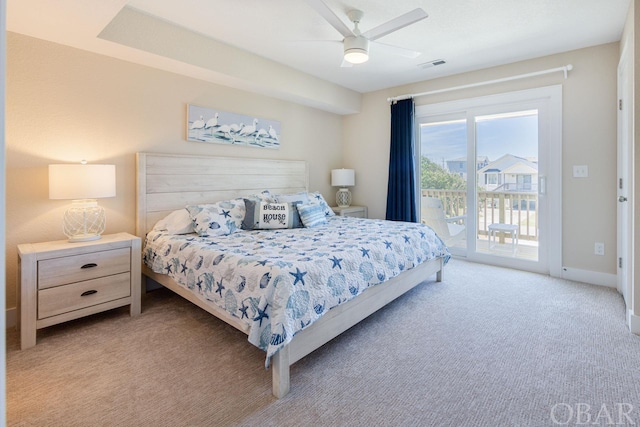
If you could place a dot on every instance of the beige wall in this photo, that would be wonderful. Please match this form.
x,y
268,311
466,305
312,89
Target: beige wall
x,y
65,105
589,138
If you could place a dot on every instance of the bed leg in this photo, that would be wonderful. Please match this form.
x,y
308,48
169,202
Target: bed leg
x,y
280,372
440,273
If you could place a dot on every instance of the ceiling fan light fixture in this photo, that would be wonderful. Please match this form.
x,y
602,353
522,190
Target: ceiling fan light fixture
x,y
356,49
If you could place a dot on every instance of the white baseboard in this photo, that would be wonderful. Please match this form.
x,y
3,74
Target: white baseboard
x,y
591,277
633,322
11,318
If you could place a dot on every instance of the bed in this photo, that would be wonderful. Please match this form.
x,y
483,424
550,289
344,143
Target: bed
x,y
169,182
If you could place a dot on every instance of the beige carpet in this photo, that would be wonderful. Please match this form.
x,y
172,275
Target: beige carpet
x,y
487,347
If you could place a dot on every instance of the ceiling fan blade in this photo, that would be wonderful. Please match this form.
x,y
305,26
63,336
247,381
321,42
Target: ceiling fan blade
x,y
324,11
395,50
395,24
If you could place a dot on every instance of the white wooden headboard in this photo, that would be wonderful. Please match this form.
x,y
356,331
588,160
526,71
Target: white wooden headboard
x,y
166,182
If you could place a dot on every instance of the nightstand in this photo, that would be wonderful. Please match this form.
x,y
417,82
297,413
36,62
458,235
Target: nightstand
x,y
352,211
61,281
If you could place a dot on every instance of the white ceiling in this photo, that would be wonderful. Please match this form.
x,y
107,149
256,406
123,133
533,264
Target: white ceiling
x,y
467,34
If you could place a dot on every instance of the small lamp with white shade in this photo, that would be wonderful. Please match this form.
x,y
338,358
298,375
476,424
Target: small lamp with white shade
x,y
343,178
83,184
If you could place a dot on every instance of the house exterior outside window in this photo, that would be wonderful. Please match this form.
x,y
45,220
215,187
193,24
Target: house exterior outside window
x,y
509,173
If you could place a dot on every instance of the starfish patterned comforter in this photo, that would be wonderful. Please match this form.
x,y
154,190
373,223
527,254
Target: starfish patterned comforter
x,y
280,281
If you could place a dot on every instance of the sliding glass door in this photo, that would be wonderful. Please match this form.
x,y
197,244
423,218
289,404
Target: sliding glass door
x,y
507,184
490,177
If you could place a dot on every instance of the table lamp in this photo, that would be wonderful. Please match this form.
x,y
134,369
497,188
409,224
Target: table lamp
x,y
343,178
83,184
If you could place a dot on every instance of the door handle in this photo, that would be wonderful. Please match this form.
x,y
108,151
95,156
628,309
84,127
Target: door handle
x,y
542,185
622,199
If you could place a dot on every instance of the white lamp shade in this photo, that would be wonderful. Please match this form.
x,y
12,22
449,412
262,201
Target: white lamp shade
x,y
72,181
343,178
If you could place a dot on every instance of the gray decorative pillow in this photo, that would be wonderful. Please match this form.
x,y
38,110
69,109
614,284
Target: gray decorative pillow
x,y
266,215
300,198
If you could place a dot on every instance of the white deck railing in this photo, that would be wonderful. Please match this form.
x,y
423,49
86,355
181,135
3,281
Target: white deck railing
x,y
505,207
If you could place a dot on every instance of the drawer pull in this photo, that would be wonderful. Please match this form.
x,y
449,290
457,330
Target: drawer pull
x,y
90,265
91,292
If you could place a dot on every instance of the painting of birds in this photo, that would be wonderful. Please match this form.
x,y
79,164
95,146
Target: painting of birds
x,y
249,130
212,123
235,127
224,127
261,133
272,133
197,126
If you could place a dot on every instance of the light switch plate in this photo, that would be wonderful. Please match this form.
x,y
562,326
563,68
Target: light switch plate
x,y
580,171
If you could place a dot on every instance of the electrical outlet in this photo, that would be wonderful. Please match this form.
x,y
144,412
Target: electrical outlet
x,y
599,248
581,171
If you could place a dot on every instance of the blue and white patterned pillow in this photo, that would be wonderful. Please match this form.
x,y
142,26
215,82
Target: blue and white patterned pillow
x,y
217,219
312,215
316,198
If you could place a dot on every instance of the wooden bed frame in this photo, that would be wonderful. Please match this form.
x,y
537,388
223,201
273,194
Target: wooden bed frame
x,y
166,182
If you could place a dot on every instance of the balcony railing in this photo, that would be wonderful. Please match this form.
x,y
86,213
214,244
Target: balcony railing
x,y
505,207
520,186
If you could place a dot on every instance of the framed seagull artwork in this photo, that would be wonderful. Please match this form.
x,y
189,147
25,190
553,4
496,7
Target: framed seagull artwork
x,y
223,127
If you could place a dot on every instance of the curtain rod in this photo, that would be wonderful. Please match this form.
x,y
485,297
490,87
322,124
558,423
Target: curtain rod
x,y
565,68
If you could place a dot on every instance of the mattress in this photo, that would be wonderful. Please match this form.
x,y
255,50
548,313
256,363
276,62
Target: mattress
x,y
278,282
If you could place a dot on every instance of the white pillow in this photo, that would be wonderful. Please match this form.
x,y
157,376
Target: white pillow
x,y
301,197
177,222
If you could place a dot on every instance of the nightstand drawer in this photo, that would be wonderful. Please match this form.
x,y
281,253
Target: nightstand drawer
x,y
351,211
75,296
76,268
356,214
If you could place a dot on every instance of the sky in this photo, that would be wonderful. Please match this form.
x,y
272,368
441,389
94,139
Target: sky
x,y
496,136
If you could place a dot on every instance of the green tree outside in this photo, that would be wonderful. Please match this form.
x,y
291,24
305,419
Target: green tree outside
x,y
435,177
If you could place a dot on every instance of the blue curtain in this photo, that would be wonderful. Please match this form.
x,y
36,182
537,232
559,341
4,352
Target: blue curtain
x,y
401,191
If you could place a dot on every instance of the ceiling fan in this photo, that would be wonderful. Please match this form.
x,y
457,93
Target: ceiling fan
x,y
355,43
